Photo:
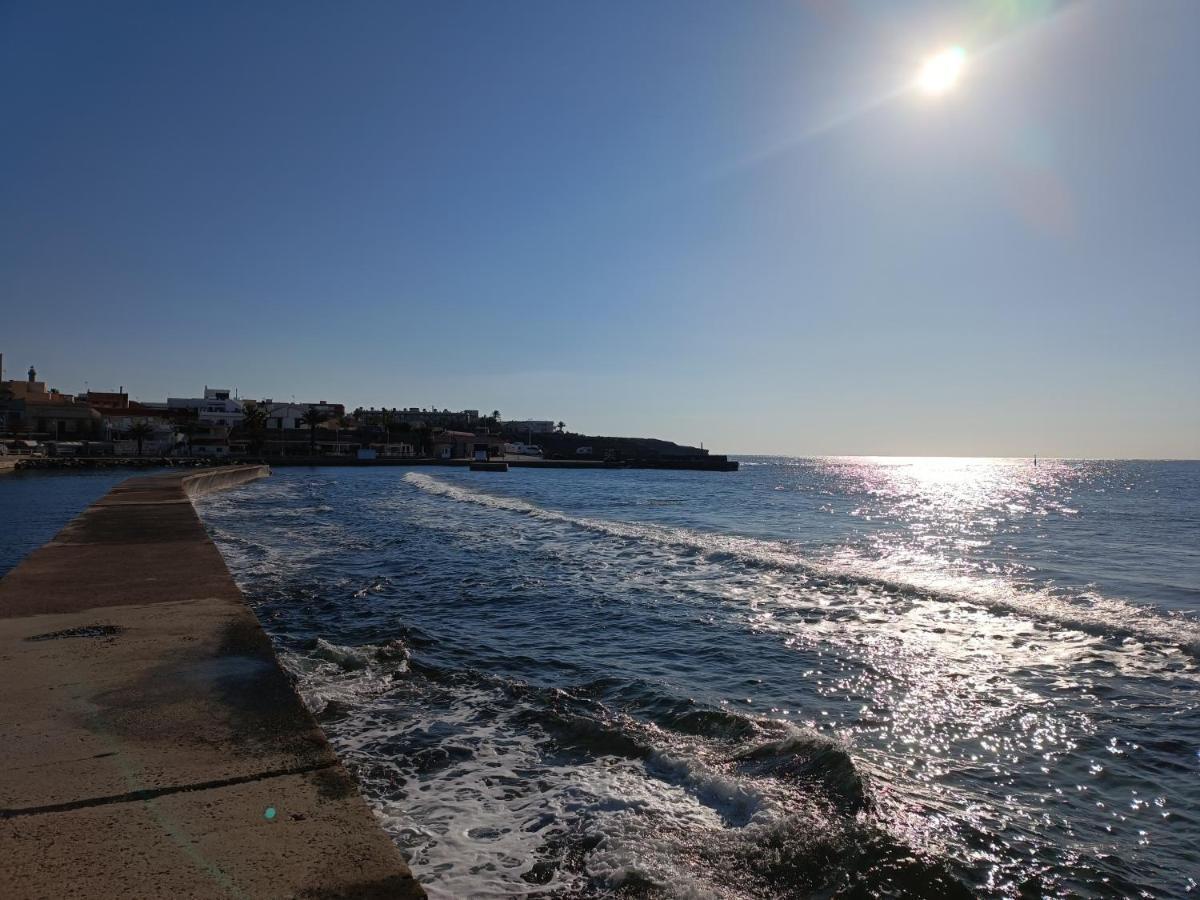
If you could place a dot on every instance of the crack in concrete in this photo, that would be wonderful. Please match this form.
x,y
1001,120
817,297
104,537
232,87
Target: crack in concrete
x,y
151,793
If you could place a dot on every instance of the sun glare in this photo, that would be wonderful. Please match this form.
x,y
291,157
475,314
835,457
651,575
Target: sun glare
x,y
940,72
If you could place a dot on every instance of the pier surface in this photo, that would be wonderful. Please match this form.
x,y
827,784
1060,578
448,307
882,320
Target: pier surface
x,y
152,745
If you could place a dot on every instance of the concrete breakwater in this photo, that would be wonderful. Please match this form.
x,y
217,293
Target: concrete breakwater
x,y
152,745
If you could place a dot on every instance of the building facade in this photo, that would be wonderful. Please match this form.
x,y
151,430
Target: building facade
x,y
288,416
216,408
39,411
416,417
529,426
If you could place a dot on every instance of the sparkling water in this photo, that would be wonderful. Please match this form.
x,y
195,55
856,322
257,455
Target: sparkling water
x,y
841,677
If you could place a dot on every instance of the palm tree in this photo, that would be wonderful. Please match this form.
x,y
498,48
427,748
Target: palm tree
x,y
254,421
560,427
139,431
312,419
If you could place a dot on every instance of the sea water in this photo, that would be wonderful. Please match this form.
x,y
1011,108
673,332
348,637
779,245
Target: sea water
x,y
35,505
833,677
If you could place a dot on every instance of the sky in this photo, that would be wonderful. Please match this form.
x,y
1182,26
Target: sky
x,y
734,224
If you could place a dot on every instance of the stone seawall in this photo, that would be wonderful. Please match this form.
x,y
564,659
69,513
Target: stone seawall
x,y
152,745
206,481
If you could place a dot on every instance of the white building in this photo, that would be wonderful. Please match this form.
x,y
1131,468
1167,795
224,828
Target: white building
x,y
216,407
528,426
290,414
161,442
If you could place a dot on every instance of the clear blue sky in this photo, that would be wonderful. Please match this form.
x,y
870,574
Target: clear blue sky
x,y
707,221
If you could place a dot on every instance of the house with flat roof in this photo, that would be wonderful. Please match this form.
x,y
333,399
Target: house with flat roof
x,y
216,407
287,416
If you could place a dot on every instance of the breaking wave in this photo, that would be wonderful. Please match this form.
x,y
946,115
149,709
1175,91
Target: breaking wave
x,y
727,805
1089,613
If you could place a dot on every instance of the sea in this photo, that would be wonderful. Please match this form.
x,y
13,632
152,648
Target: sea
x,y
834,677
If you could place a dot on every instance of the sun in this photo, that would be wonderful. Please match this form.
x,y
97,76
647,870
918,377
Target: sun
x,y
941,72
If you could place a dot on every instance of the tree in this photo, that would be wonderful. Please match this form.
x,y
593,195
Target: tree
x,y
312,419
560,427
254,421
139,431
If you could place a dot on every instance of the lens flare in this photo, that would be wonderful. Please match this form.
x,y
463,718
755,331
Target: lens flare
x,y
941,72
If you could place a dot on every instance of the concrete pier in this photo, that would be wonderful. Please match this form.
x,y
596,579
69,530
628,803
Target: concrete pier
x,y
152,746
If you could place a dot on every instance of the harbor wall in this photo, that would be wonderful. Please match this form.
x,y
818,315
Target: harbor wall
x,y
153,745
206,481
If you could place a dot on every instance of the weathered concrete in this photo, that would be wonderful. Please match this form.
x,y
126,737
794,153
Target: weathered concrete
x,y
152,745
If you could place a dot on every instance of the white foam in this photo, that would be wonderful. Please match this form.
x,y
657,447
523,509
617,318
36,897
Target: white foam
x,y
476,825
1090,612
349,675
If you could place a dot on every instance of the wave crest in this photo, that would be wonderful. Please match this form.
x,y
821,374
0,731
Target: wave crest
x,y
1099,616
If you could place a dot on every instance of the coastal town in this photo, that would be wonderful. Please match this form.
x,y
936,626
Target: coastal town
x,y
45,426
